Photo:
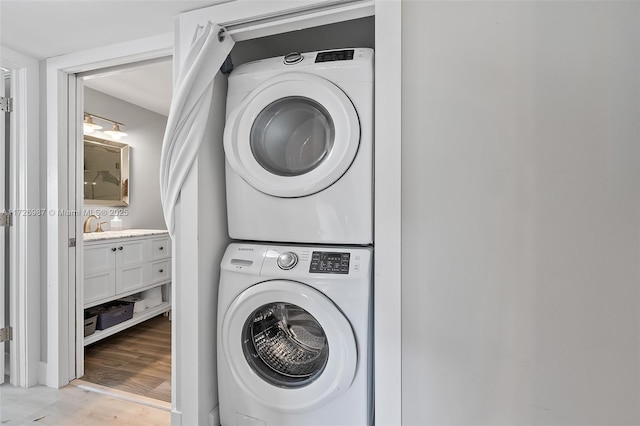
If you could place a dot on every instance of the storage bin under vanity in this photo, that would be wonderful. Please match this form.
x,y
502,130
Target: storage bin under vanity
x,y
90,321
112,313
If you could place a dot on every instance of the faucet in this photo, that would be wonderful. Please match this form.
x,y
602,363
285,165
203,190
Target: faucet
x,y
87,223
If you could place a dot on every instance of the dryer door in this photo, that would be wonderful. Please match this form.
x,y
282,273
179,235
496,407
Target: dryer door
x,y
288,346
293,135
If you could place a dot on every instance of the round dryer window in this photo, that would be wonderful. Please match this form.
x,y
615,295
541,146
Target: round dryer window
x,y
293,135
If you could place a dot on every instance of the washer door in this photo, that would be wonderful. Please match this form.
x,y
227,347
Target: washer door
x,y
293,135
288,346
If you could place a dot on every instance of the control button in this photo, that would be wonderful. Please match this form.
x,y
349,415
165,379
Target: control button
x,y
293,58
287,260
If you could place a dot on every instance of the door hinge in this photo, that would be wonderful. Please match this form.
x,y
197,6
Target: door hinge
x,y
6,219
6,334
6,104
72,242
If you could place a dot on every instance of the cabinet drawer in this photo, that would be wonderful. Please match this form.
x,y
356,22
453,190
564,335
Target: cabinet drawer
x,y
160,248
161,271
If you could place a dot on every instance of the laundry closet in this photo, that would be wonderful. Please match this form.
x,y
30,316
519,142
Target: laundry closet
x,y
201,215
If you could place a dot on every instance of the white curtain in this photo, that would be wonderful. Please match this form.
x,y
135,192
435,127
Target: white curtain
x,y
189,113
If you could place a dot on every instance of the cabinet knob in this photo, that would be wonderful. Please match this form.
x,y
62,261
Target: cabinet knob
x,y
120,248
113,249
161,248
161,270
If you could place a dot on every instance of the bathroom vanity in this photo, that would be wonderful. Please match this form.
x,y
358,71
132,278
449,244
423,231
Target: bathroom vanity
x,y
122,263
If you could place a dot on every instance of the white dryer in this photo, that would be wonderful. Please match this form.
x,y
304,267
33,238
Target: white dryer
x,y
298,143
294,336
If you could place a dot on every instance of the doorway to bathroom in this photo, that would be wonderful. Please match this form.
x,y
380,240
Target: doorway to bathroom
x,y
124,320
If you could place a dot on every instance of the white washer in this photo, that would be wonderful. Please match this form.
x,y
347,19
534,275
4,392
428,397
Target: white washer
x,y
294,336
298,143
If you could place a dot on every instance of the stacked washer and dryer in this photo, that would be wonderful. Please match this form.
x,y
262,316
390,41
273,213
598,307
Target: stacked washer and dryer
x,y
295,297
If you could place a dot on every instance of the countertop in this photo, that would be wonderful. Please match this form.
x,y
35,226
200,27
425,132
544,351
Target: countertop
x,y
125,233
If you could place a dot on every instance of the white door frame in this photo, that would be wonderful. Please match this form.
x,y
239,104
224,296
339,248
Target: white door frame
x,y
3,207
387,196
62,305
388,215
24,235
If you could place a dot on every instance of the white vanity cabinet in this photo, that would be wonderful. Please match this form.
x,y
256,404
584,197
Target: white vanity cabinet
x,y
113,268
117,266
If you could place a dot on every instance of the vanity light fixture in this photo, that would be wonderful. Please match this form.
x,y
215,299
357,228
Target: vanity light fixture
x,y
89,126
115,133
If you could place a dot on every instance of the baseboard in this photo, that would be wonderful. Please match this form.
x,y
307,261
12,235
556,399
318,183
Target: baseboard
x,y
42,373
176,418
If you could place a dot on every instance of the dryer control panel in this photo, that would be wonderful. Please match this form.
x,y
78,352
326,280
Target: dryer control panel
x,y
324,262
335,55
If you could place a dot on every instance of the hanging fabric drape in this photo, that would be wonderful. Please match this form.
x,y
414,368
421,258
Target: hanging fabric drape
x,y
189,113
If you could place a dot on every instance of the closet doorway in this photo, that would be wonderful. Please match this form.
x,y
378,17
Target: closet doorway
x,y
133,357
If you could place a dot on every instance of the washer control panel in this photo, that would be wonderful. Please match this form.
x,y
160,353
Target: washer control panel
x,y
299,262
324,262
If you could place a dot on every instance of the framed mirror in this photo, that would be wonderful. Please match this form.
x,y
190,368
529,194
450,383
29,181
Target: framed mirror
x,y
106,172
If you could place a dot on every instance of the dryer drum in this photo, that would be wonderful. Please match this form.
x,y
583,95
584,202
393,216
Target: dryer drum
x,y
285,344
292,136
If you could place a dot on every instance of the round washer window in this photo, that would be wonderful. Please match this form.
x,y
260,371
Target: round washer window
x,y
292,136
285,345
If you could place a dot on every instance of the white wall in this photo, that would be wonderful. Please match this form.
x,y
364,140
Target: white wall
x,y
521,216
145,130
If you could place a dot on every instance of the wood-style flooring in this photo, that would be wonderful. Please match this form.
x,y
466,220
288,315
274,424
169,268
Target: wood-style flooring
x,y
136,360
74,406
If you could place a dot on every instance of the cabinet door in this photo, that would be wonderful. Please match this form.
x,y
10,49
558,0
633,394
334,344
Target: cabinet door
x,y
130,259
99,272
130,253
